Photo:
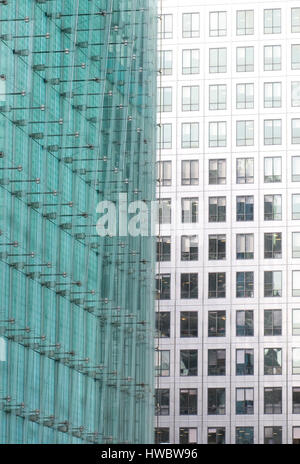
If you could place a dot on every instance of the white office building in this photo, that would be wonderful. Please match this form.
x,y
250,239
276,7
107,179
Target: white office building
x,y
228,246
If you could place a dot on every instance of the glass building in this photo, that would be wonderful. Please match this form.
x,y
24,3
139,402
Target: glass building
x,y
77,127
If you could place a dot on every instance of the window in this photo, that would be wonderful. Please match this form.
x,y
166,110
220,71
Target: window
x,y
245,170
295,19
244,246
244,96
163,286
295,93
188,401
162,401
216,285
244,59
164,99
272,57
296,283
272,361
162,363
189,285
296,435
272,167
216,362
217,97
272,131
217,171
162,435
189,248
216,323
165,58
296,321
190,25
272,21
244,133
296,244
191,61
188,362
216,401
244,362
162,324
187,435
295,131
245,22
244,323
272,322
189,135
272,245
272,400
272,207
216,436
272,283
217,134
244,435
216,247
164,136
296,360
217,23
217,209
273,435
189,210
163,249
188,324
244,401
164,211
165,31
296,206
296,168
296,400
295,56
189,172
190,98
272,94
218,60
164,173
244,208
245,284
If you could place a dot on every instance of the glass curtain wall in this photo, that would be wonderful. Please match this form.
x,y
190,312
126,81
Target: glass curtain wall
x,y
77,126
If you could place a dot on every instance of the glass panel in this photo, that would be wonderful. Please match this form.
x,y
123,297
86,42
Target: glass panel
x,y
296,321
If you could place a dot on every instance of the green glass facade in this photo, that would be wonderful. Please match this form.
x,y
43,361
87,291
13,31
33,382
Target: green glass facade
x,y
77,126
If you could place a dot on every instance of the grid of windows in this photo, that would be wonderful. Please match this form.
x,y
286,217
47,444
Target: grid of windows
x,y
255,157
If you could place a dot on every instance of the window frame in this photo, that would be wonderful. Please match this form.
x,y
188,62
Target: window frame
x,y
216,323
219,290
245,28
192,54
272,327
191,32
245,58
218,68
